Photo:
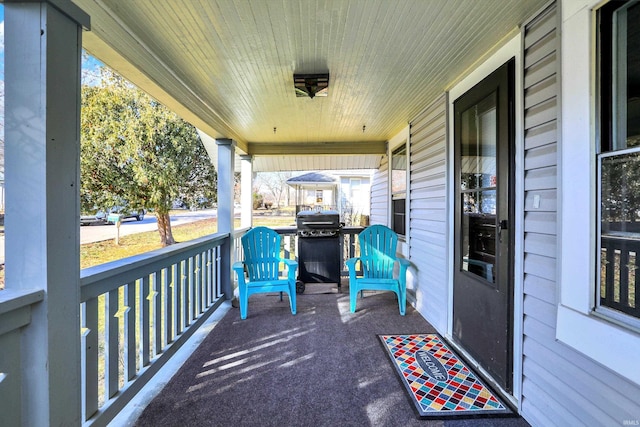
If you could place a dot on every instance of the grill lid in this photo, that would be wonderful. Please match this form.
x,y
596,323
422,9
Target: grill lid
x,y
315,220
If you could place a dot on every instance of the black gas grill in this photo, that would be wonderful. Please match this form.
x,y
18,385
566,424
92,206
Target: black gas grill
x,y
319,246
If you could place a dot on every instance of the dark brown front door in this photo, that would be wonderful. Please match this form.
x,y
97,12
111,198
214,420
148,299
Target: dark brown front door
x,y
483,266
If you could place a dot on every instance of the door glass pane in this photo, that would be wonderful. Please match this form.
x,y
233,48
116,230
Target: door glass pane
x,y
478,183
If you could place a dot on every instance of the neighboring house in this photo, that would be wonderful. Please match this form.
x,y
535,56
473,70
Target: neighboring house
x,y
315,191
344,191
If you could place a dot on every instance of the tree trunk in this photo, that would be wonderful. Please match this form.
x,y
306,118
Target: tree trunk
x,y
164,228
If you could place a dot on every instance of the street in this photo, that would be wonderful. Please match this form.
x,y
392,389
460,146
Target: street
x,y
97,233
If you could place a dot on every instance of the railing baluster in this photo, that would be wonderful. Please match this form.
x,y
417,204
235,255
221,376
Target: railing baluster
x,y
130,351
144,320
207,277
157,312
111,343
90,356
185,293
218,279
168,306
636,281
193,300
624,275
198,284
204,302
177,290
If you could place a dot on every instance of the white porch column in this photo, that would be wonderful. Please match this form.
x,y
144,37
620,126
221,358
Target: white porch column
x,y
246,191
226,154
43,43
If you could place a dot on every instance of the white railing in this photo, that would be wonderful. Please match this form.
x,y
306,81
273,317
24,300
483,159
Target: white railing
x,y
135,314
15,313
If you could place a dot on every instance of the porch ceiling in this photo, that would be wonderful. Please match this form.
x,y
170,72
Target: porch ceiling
x,y
227,65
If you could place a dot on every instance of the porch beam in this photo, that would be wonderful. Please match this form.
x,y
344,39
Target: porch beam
x,y
318,148
43,43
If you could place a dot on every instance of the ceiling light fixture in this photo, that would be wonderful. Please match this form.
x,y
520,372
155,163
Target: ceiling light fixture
x,y
311,85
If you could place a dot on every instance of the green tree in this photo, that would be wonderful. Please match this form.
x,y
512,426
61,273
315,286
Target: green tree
x,y
136,151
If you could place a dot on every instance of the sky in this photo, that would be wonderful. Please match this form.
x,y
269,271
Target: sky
x,y
2,43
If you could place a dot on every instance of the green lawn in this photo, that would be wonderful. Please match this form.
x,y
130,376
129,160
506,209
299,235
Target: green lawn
x,y
100,252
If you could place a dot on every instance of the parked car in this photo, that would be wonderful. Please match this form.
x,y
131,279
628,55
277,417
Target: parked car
x,y
96,216
127,213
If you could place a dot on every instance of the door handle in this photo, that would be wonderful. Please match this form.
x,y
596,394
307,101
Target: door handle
x,y
502,225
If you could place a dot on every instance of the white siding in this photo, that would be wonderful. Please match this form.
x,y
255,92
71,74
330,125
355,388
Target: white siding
x,y
560,386
427,215
380,194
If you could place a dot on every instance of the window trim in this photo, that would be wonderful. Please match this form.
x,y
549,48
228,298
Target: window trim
x,y
399,195
577,322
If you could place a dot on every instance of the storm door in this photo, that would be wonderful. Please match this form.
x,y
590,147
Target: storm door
x,y
483,216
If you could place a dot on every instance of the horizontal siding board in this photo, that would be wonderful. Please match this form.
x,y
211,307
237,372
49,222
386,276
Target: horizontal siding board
x,y
540,222
539,29
584,381
437,227
541,70
539,244
575,405
539,157
429,215
541,49
541,266
432,154
540,92
429,190
433,113
428,176
543,310
540,288
547,199
541,113
552,411
429,136
541,179
541,135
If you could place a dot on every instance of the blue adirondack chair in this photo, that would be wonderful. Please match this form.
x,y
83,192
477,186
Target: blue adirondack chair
x,y
259,272
377,260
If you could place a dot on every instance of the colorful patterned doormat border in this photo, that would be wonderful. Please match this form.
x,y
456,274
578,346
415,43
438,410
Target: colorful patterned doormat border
x,y
438,382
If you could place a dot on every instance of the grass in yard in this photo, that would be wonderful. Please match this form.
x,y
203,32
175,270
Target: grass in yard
x,y
100,252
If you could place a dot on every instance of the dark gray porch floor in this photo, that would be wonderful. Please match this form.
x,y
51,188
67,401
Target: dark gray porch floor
x,y
322,367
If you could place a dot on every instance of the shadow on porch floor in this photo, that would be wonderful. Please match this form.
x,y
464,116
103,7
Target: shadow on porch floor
x,y
322,367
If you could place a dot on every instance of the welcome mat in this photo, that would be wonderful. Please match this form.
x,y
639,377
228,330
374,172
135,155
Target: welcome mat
x,y
438,382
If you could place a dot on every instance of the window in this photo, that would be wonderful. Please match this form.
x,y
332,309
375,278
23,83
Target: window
x,y
399,190
576,322
618,159
319,194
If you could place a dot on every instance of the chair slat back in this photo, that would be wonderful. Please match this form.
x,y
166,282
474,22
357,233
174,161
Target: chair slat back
x,y
261,247
378,251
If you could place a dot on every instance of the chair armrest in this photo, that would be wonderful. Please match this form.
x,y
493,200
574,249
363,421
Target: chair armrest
x,y
351,262
290,262
238,266
292,266
404,262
